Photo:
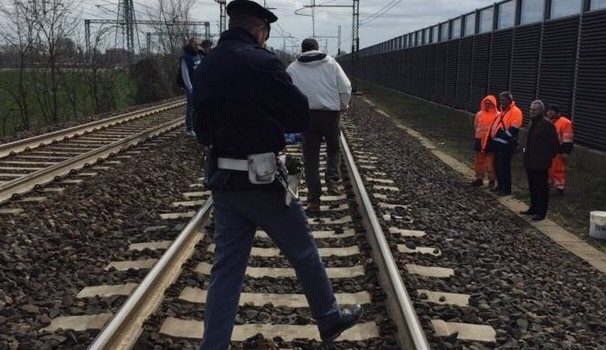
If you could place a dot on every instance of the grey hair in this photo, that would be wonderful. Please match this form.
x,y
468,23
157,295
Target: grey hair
x,y
538,103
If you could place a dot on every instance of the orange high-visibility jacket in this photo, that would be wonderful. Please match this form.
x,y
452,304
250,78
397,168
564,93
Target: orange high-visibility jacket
x,y
507,124
563,127
484,120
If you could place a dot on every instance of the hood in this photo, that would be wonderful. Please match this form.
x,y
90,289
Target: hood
x,y
312,57
490,98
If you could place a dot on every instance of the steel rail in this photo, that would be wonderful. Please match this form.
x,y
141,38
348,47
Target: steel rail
x,y
124,328
27,182
45,139
400,307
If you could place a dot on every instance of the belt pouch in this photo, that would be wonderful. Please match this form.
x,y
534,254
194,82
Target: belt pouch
x,y
262,168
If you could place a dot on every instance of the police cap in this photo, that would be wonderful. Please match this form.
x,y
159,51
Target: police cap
x,y
252,8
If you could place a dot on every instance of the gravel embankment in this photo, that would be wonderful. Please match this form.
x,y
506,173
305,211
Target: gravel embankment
x,y
54,248
530,290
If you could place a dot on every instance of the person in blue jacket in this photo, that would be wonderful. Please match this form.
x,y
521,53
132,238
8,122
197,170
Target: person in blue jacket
x,y
245,103
189,61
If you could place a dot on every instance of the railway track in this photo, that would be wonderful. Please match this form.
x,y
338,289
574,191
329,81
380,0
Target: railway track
x,y
469,286
27,163
339,231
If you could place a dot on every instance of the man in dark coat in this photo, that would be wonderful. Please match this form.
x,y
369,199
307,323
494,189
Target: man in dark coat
x,y
188,63
542,145
245,102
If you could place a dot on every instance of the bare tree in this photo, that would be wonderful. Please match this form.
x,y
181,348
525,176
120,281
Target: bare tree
x,y
55,25
20,32
96,81
171,34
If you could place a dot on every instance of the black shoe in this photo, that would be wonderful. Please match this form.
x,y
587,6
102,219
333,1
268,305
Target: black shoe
x,y
528,212
333,190
313,209
503,193
491,184
538,217
476,183
559,192
349,316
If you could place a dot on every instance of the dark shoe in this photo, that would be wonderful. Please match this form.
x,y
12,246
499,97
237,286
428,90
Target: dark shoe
x,y
503,193
333,190
491,184
477,183
527,212
538,217
348,317
559,192
313,208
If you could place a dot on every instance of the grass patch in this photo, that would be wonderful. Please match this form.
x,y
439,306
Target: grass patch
x,y
452,131
115,90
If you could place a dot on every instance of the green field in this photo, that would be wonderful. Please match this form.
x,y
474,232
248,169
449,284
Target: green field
x,y
452,132
79,93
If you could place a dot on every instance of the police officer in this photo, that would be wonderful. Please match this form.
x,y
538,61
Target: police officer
x,y
245,102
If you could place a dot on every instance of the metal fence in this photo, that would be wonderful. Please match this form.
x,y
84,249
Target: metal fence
x,y
537,49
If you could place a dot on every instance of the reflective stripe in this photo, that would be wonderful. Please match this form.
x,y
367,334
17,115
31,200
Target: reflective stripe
x,y
508,133
498,139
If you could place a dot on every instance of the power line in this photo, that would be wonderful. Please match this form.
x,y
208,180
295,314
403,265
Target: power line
x,y
381,12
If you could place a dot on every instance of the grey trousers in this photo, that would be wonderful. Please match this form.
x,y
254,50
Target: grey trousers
x,y
323,125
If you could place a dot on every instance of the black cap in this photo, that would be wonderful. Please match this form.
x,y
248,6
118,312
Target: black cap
x,y
553,107
252,8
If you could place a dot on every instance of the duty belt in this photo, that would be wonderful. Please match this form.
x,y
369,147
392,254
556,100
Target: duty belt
x,y
232,164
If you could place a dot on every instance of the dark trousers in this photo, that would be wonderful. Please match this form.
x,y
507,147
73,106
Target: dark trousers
x,y
502,168
539,190
189,112
237,216
323,124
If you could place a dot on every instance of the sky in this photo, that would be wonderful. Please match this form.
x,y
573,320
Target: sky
x,y
401,17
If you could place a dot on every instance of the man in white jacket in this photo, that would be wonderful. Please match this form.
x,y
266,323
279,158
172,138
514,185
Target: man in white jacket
x,y
328,91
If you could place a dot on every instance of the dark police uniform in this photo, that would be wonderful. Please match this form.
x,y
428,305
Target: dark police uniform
x,y
245,102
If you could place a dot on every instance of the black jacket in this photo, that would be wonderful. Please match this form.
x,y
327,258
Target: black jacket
x,y
542,144
244,102
244,99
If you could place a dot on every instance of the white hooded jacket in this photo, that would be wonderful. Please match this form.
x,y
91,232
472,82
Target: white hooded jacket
x,y
322,80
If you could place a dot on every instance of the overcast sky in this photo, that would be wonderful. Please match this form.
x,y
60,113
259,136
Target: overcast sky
x,y
404,17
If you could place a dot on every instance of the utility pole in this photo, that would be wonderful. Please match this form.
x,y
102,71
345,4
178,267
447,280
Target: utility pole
x,y
339,42
355,44
313,18
222,17
127,17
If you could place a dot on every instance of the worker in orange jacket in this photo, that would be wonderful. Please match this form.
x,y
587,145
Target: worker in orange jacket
x,y
484,161
504,141
563,125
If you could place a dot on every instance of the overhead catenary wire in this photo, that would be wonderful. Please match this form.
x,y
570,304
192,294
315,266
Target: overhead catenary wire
x,y
381,12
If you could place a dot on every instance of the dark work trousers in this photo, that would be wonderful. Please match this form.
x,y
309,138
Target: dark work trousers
x,y
538,184
502,168
237,216
189,112
323,124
